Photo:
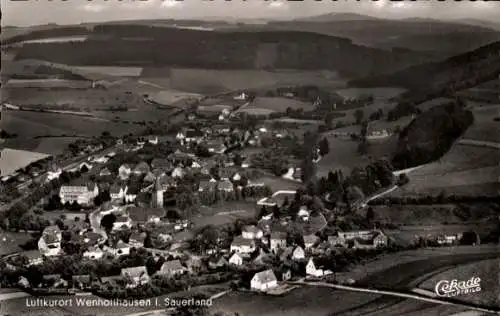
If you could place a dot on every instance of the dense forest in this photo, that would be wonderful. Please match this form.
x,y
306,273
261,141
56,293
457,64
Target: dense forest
x,y
117,45
431,134
438,79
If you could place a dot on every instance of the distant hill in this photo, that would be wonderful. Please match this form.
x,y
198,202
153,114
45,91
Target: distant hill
x,y
335,17
488,24
436,79
139,45
438,38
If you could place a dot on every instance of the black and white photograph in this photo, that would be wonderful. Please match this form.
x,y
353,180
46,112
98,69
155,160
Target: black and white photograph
x,y
249,158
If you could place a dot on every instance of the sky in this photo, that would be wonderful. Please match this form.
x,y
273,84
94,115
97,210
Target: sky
x,y
34,12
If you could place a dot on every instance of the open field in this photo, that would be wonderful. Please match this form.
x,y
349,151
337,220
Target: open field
x,y
46,145
31,124
405,235
225,213
299,302
209,81
276,183
487,270
169,97
432,214
452,182
427,105
279,104
343,154
112,71
9,242
75,99
12,159
484,127
377,93
46,84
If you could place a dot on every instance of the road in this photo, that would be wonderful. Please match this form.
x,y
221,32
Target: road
x,y
479,143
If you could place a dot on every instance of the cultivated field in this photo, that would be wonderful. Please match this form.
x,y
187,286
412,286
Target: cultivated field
x,y
12,159
112,71
24,84
73,99
377,93
487,270
278,104
170,97
299,302
429,215
32,124
276,183
427,105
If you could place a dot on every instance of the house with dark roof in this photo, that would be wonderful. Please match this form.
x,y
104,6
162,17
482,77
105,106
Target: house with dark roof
x,y
264,280
104,172
153,139
132,192
242,245
225,185
172,268
251,232
161,164
277,240
137,239
34,257
217,262
207,185
82,281
135,276
50,242
141,215
122,222
141,168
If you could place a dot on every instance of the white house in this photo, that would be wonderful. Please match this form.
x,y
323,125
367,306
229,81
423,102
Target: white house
x,y
263,281
298,253
50,242
251,232
131,194
93,253
117,192
310,240
124,171
135,276
51,175
153,140
81,193
313,271
122,222
242,245
178,173
236,260
120,249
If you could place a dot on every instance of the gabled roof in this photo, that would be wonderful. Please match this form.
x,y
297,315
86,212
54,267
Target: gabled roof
x,y
310,239
265,276
143,214
134,271
115,188
251,229
171,267
126,165
278,235
240,241
32,254
140,237
225,185
142,167
82,278
192,133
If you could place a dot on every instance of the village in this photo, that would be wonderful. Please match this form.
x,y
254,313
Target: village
x,y
131,226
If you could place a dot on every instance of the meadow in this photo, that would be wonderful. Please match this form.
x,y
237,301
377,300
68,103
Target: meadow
x,y
486,270
343,154
171,97
13,159
32,124
112,71
10,241
223,214
211,81
382,93
279,104
73,99
299,302
484,127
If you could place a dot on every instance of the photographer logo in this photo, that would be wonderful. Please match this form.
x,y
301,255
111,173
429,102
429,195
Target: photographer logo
x,y
446,288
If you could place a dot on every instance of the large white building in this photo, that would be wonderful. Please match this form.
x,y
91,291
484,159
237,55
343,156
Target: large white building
x,y
81,193
263,281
